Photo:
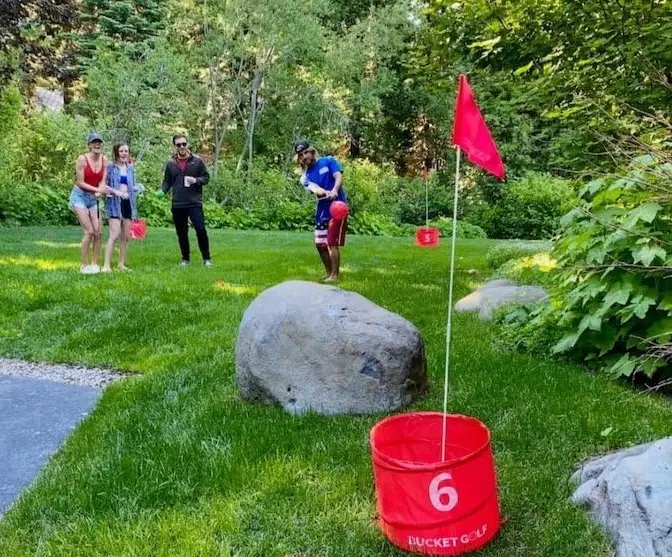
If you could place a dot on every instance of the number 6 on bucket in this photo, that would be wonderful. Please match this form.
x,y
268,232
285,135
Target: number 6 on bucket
x,y
436,493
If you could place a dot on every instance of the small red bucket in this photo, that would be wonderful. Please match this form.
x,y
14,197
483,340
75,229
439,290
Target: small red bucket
x,y
427,506
138,229
427,237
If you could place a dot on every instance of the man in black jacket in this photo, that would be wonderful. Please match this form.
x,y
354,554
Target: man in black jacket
x,y
186,174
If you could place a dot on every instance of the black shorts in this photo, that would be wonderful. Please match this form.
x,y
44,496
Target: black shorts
x,y
126,211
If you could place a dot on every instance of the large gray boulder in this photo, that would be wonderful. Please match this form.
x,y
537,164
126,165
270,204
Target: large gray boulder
x,y
312,347
498,293
629,493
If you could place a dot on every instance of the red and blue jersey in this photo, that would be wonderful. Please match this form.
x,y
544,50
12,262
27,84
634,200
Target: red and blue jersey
x,y
322,174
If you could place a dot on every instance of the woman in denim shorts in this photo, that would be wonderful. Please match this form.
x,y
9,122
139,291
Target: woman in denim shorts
x,y
120,209
91,173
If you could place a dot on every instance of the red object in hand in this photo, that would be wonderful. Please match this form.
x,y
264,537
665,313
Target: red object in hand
x,y
339,210
138,230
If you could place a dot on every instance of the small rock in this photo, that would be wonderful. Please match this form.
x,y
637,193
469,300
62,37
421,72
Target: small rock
x,y
315,347
498,293
629,493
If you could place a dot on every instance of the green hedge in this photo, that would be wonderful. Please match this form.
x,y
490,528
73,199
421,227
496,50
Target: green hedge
x,y
611,303
37,173
503,252
528,208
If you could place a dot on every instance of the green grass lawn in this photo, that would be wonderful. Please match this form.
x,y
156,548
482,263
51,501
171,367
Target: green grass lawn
x,y
172,462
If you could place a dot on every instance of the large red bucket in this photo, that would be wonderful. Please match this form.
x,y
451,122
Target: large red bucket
x,y
427,237
427,506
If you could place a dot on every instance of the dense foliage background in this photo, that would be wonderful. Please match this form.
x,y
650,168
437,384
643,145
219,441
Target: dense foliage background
x,y
574,93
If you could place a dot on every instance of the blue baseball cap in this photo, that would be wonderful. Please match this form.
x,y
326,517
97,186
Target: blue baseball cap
x,y
301,145
94,136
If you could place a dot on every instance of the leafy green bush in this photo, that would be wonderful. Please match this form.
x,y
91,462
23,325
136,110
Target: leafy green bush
x,y
464,229
10,111
504,252
49,145
292,215
372,224
410,204
529,208
155,211
534,269
613,303
370,187
379,225
37,204
269,198
529,328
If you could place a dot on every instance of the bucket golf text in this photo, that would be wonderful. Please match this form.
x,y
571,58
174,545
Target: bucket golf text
x,y
447,542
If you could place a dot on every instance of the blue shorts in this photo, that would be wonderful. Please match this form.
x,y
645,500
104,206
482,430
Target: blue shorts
x,y
80,199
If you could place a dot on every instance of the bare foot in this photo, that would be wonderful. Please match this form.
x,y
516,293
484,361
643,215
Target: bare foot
x,y
123,268
106,270
331,279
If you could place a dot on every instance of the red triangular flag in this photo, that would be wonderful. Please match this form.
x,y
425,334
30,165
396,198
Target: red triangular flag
x,y
471,133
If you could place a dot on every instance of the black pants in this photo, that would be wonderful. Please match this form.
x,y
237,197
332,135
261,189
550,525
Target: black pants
x,y
181,218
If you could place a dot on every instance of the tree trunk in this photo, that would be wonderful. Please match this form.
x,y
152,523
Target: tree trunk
x,y
215,121
256,83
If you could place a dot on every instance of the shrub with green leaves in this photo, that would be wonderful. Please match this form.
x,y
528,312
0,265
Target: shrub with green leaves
x,y
370,187
534,269
372,224
530,328
34,205
614,297
504,252
530,208
10,111
464,229
49,145
414,200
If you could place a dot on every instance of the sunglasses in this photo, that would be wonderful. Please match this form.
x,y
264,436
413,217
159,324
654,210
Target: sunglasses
x,y
181,144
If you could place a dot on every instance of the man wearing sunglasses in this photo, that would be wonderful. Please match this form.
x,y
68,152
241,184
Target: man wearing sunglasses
x,y
186,174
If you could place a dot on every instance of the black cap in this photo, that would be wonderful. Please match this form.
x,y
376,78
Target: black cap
x,y
301,145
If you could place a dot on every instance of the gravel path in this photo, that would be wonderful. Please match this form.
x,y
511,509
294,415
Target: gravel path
x,y
62,373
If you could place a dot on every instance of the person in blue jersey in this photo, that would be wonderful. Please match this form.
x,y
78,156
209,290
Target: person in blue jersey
x,y
323,176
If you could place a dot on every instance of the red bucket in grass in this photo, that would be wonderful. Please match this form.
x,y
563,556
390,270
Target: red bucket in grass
x,y
427,237
427,506
138,229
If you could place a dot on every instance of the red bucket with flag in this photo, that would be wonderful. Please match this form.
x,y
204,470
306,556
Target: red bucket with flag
x,y
138,229
427,237
426,505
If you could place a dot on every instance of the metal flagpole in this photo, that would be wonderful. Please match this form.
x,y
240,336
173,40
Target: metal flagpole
x,y
450,309
426,200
